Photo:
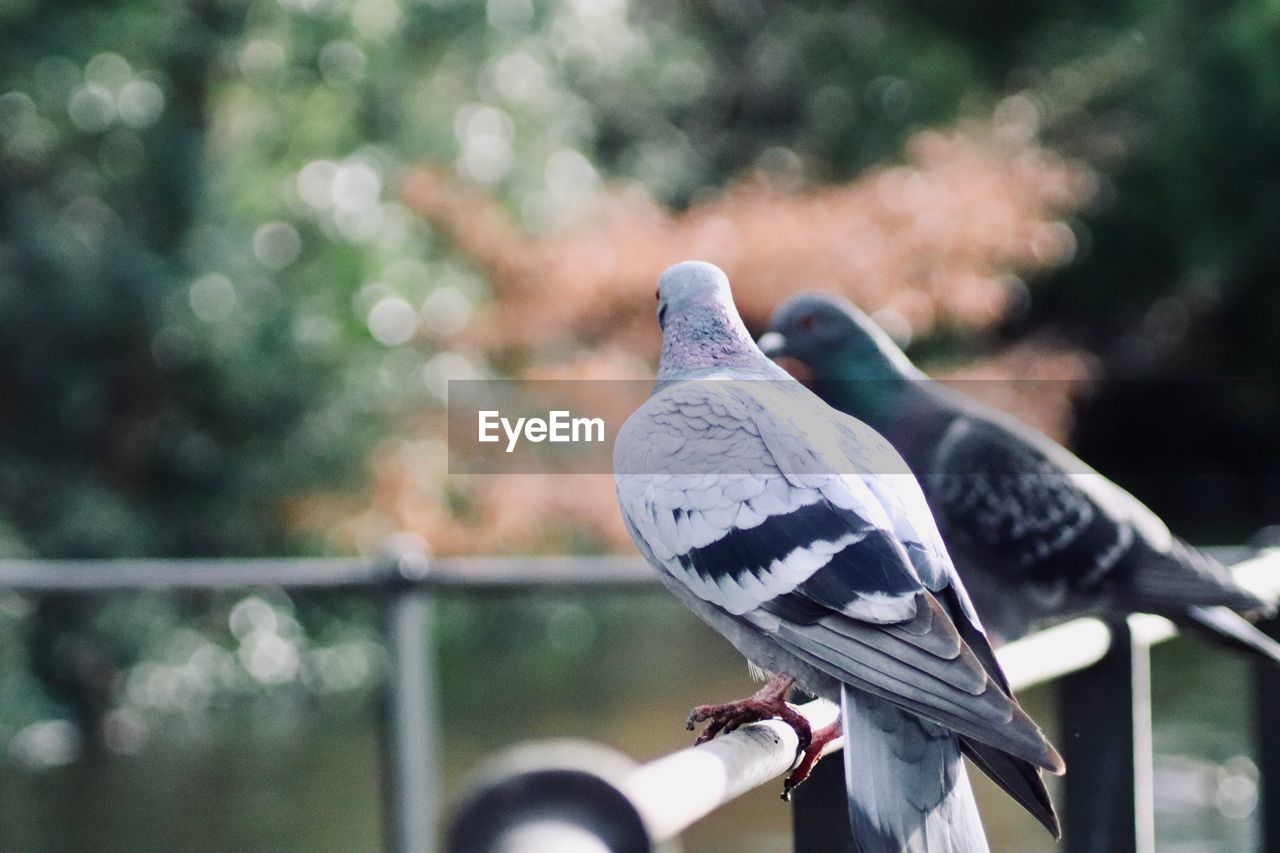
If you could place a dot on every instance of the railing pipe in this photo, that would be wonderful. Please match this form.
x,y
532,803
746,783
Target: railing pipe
x,y
470,574
410,729
674,792
580,793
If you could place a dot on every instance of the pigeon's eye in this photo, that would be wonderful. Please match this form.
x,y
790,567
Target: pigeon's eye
x,y
805,322
657,294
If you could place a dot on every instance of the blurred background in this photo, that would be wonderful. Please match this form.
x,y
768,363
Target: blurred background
x,y
244,244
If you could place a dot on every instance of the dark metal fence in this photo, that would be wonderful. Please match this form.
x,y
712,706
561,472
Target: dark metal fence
x,y
1108,793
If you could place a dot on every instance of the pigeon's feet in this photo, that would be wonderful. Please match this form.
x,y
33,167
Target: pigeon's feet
x,y
767,703
817,742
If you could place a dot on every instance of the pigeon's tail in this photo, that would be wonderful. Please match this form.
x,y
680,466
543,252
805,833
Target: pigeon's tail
x,y
1230,629
1169,581
908,788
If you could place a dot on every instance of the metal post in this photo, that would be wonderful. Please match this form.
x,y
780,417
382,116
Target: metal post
x,y
1106,742
820,810
1266,732
412,793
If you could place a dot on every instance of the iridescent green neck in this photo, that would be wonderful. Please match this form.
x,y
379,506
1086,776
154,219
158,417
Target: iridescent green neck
x,y
873,391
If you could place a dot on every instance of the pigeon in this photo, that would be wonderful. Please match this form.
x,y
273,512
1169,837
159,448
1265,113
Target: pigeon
x,y
799,535
1036,534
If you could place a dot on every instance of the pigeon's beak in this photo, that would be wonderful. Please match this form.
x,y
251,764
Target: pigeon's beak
x,y
772,344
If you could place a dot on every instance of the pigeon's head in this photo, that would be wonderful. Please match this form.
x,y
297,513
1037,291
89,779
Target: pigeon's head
x,y
833,339
692,288
701,329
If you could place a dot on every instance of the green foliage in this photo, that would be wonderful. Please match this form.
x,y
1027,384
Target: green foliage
x,y
160,399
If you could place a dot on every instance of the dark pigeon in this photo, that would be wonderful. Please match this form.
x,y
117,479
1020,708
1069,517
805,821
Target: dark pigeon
x,y
1036,534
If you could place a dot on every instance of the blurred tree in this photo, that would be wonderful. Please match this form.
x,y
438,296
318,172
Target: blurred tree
x,y
124,408
93,219
165,389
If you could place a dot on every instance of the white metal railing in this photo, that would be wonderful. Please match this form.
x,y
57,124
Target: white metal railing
x,y
1102,665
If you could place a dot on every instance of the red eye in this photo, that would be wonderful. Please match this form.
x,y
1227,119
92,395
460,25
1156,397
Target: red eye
x,y
806,322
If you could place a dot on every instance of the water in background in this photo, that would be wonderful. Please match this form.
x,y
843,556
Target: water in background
x,y
621,669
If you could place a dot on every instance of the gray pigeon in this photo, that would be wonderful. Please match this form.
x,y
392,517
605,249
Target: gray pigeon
x,y
1035,533
798,534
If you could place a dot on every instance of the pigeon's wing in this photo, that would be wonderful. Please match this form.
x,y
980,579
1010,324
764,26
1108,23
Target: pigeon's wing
x,y
730,497
896,489
1030,507
705,493
1011,501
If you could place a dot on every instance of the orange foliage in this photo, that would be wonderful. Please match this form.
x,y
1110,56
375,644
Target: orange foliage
x,y
931,239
